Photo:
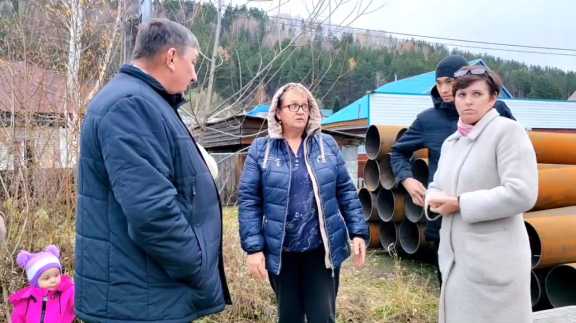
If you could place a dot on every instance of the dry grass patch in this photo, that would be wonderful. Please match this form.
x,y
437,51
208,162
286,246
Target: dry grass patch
x,y
386,290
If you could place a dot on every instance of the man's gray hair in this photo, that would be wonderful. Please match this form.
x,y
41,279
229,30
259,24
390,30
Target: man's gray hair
x,y
160,34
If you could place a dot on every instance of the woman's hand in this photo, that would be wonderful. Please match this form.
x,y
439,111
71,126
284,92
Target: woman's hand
x,y
257,265
444,204
359,250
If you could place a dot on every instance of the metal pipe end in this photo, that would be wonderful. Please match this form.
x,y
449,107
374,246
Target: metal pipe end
x,y
561,285
535,244
385,205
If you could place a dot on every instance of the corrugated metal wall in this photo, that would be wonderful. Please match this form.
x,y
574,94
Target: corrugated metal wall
x,y
398,109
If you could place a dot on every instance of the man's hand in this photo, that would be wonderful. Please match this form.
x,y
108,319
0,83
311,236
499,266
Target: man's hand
x,y
416,190
444,204
359,249
257,265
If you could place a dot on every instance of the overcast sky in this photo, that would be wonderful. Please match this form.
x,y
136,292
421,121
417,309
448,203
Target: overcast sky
x,y
542,23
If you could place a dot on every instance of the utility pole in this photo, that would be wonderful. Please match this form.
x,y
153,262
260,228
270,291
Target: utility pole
x,y
133,13
213,58
145,10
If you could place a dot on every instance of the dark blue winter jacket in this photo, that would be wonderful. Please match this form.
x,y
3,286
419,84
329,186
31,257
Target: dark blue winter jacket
x,y
264,191
149,221
429,130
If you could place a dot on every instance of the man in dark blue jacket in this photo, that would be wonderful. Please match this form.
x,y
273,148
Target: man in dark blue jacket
x,y
149,220
429,130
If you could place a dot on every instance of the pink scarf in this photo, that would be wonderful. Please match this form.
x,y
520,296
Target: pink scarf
x,y
464,128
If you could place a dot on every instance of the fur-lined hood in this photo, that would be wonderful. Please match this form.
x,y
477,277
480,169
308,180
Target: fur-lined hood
x,y
275,128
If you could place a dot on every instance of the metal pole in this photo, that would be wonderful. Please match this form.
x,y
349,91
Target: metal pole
x,y
145,10
213,59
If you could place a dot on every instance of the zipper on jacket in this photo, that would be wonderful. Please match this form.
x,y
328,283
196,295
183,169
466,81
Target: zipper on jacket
x,y
348,239
286,211
43,314
323,233
223,281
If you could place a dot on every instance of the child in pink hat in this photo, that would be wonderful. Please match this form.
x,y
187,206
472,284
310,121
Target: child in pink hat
x,y
50,296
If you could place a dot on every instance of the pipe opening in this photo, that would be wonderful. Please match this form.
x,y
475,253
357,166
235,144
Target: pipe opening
x,y
385,205
409,237
414,213
387,235
371,175
535,244
372,142
420,171
387,179
561,286
366,201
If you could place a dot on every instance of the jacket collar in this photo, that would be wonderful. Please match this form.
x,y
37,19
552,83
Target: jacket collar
x,y
478,128
38,293
175,100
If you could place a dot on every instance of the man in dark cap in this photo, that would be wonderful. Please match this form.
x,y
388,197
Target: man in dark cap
x,y
431,127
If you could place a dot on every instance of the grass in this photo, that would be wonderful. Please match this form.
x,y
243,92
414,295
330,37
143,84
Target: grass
x,y
387,289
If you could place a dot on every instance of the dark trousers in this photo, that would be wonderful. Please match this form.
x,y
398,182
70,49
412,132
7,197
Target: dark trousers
x,y
305,288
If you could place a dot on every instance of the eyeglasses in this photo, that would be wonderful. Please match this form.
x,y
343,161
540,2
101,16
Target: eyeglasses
x,y
295,107
471,70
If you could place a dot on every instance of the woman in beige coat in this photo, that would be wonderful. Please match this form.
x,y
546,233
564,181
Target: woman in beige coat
x,y
487,177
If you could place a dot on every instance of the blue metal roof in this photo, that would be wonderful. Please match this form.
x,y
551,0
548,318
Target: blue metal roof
x,y
418,84
423,83
354,111
326,112
260,111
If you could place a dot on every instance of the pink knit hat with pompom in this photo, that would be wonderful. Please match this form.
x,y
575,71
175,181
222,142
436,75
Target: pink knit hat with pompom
x,y
37,263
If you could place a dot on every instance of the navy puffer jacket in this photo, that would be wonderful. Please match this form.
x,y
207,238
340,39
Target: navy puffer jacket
x,y
148,221
265,189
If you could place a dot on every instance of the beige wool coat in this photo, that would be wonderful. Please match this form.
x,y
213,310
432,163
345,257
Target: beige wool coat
x,y
484,253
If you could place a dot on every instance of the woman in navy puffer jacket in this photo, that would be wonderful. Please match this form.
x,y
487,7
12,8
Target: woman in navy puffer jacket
x,y
299,209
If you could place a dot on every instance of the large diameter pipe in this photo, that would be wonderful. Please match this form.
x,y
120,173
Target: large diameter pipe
x,y
554,148
371,175
390,205
388,236
374,242
380,139
412,238
567,210
552,239
386,177
556,188
548,166
420,170
367,199
560,285
415,213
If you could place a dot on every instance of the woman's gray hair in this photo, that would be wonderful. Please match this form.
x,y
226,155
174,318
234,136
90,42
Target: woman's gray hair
x,y
160,34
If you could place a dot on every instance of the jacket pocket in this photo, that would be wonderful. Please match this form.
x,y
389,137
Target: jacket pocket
x,y
201,243
490,258
347,240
